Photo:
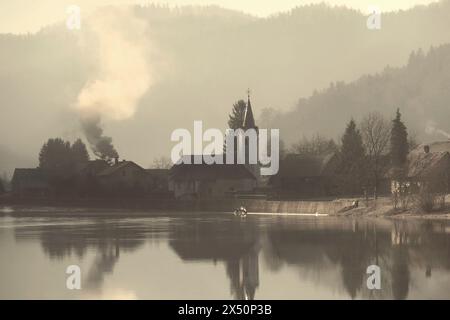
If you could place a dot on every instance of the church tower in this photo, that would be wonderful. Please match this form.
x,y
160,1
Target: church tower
x,y
249,120
249,124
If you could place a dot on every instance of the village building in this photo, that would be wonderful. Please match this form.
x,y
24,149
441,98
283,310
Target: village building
x,y
95,178
305,176
188,180
125,177
84,178
30,182
428,163
158,180
90,169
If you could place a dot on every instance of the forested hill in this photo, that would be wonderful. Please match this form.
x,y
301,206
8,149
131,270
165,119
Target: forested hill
x,y
206,58
421,90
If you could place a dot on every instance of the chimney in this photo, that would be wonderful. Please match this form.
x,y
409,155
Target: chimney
x,y
116,160
426,148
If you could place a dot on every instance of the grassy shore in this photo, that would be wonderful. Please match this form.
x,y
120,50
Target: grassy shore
x,y
383,208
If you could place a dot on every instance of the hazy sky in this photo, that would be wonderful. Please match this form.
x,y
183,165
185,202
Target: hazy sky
x,y
21,16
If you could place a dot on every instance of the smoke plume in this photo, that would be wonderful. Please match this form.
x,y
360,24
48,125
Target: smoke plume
x,y
432,129
122,74
101,145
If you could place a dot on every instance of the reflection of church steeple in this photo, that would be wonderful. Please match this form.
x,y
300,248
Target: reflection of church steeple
x,y
244,275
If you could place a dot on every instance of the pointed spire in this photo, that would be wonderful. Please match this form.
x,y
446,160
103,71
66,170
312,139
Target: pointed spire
x,y
249,121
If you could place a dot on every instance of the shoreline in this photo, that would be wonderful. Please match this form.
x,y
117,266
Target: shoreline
x,y
34,210
174,207
387,212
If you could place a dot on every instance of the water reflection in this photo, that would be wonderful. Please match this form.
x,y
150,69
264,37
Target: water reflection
x,y
330,253
235,242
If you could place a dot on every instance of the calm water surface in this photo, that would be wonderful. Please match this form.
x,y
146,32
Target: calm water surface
x,y
218,256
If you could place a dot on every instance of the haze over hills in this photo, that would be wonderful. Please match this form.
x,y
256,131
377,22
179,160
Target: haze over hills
x,y
201,60
420,89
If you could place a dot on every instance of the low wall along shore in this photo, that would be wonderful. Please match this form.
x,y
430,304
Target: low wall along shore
x,y
214,205
322,207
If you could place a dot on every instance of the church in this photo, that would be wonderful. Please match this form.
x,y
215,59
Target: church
x,y
196,179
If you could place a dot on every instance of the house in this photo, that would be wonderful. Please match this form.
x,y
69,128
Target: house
x,y
125,177
158,180
30,182
90,169
96,178
428,163
437,146
305,176
192,181
85,177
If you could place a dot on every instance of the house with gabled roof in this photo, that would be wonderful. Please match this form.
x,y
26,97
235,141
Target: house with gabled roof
x,y
305,176
428,163
30,182
123,177
189,180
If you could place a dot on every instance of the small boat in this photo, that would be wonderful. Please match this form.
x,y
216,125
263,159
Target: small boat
x,y
240,212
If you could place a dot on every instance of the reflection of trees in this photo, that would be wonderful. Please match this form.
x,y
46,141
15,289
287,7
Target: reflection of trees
x,y
343,245
354,246
351,246
107,238
400,272
233,241
425,245
104,263
354,255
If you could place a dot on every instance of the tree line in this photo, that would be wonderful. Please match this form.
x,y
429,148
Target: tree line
x,y
367,150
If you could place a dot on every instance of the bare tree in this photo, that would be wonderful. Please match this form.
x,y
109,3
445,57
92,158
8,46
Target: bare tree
x,y
375,131
161,163
413,140
315,146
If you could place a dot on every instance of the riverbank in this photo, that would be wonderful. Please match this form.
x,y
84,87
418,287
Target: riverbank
x,y
330,207
381,208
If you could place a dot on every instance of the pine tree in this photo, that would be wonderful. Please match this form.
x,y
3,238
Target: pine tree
x,y
2,187
352,150
352,156
399,142
79,152
55,157
236,118
317,145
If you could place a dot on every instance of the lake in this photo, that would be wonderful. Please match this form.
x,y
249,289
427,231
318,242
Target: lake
x,y
219,256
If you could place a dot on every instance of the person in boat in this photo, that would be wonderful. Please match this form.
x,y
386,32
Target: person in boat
x,y
240,212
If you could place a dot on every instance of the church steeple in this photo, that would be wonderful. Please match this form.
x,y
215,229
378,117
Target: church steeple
x,y
249,120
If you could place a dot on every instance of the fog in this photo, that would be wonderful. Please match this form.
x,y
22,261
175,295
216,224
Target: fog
x,y
175,66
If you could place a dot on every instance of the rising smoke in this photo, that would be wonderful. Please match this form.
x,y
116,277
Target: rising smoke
x,y
118,39
101,145
431,128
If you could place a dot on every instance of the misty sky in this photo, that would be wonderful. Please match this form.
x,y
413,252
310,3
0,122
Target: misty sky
x,y
22,16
